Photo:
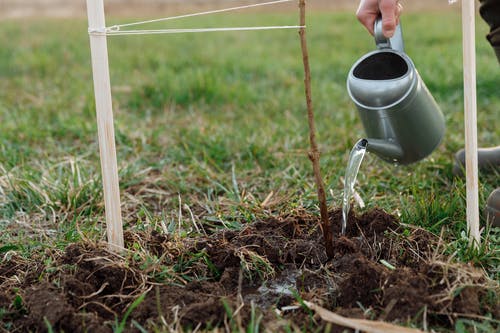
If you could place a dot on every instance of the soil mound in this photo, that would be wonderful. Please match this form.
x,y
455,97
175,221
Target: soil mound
x,y
236,278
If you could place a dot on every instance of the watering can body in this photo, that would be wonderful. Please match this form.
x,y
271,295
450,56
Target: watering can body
x,y
402,121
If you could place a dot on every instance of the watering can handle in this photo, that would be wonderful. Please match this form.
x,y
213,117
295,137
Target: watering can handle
x,y
395,42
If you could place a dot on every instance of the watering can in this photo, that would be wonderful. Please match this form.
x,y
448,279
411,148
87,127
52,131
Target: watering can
x,y
402,121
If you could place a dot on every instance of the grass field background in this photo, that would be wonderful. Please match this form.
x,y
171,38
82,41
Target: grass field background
x,y
60,8
212,128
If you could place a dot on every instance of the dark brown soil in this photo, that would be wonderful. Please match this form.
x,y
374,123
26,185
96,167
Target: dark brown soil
x,y
261,271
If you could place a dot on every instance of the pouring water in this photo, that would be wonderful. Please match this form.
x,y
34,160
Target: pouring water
x,y
355,158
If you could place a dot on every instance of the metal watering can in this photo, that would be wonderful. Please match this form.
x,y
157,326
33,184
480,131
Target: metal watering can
x,y
400,117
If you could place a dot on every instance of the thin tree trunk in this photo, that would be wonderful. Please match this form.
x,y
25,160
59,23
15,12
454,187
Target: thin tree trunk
x,y
314,154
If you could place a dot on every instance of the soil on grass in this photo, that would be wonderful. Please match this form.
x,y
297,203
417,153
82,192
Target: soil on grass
x,y
228,279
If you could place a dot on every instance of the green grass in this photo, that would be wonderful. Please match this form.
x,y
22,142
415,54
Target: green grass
x,y
215,122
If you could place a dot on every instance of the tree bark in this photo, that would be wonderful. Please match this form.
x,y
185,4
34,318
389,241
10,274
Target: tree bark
x,y
314,154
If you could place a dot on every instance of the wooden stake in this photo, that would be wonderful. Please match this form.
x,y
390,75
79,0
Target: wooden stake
x,y
470,109
314,152
105,127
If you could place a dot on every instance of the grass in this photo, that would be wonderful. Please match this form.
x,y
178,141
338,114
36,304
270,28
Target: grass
x,y
211,129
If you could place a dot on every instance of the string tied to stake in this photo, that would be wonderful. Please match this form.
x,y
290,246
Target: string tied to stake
x,y
117,30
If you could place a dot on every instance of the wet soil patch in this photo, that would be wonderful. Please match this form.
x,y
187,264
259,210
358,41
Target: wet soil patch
x,y
235,278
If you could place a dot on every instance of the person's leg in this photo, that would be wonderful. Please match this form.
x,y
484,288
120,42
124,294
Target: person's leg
x,y
490,12
487,157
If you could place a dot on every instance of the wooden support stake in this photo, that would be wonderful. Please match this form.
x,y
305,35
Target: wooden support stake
x,y
470,109
105,127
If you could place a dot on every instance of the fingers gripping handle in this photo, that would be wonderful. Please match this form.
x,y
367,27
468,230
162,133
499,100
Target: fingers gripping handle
x,y
395,42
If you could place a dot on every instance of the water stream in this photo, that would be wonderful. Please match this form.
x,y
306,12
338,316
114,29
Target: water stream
x,y
351,173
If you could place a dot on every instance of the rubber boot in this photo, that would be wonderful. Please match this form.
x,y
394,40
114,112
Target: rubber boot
x,y
493,208
497,52
487,158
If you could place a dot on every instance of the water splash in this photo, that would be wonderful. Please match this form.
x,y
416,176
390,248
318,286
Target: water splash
x,y
282,285
351,173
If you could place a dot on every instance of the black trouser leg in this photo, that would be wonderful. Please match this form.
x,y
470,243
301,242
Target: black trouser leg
x,y
490,12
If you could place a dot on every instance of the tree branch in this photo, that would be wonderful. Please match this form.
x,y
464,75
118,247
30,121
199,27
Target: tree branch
x,y
314,154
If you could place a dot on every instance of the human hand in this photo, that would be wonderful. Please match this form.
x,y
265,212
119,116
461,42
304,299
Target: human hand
x,y
369,10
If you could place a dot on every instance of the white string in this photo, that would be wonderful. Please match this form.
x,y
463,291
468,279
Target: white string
x,y
119,26
179,31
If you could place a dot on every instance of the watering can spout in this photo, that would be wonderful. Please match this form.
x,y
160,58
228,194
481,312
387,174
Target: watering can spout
x,y
389,151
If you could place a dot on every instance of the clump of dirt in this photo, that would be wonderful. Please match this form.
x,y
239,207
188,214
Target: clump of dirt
x,y
225,279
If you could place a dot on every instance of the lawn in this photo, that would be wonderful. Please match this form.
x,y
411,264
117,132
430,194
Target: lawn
x,y
212,136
